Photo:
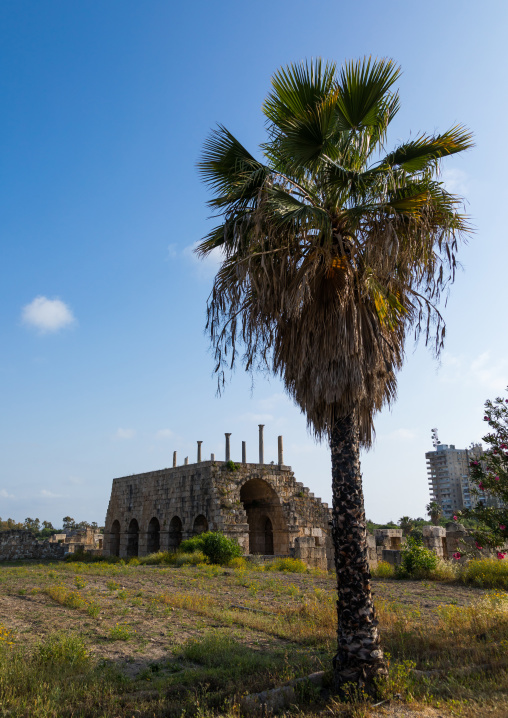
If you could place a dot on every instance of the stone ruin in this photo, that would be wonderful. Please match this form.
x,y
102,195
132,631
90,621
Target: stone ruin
x,y
88,539
21,544
387,544
260,505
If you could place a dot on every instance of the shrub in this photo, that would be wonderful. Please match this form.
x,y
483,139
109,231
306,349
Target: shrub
x,y
485,573
193,544
216,547
161,557
417,561
288,565
61,649
383,570
189,559
239,563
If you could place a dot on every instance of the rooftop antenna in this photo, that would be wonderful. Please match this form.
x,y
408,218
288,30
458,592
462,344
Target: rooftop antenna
x,y
435,439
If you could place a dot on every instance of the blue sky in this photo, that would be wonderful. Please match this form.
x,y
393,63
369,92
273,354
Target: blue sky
x,y
104,365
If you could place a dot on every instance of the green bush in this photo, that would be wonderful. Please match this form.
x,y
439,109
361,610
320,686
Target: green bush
x,y
193,544
417,561
216,547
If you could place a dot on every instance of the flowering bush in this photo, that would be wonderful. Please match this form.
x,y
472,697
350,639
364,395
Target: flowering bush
x,y
490,474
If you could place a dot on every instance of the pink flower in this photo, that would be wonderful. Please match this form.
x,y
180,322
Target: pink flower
x,y
502,527
503,446
500,555
474,463
478,546
480,485
496,478
457,555
485,418
455,518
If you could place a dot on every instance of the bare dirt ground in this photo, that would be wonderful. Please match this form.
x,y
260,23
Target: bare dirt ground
x,y
155,627
138,617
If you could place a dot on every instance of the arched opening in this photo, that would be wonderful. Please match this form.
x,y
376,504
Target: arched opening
x,y
153,541
268,531
175,533
200,524
268,537
133,539
114,539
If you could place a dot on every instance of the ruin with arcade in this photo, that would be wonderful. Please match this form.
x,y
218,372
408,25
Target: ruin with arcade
x,y
260,505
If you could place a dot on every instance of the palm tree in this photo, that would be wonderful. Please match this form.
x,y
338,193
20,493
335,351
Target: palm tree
x,y
435,512
332,251
406,523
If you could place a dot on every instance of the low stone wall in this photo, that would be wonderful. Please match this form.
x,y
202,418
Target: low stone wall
x,y
19,544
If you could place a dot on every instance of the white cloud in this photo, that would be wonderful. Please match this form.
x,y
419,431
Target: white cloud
x,y
271,402
75,480
455,181
51,495
480,371
164,434
172,251
125,433
5,495
47,315
205,266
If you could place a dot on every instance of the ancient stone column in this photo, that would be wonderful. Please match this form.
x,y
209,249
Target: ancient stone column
x,y
261,444
228,447
186,460
174,459
281,451
212,457
199,451
244,452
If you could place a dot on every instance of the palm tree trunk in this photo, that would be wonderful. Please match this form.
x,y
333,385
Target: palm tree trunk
x,y
359,658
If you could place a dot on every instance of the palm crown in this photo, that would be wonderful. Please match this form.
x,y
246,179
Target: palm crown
x,y
333,249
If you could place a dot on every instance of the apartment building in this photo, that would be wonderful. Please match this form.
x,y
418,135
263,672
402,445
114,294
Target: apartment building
x,y
448,477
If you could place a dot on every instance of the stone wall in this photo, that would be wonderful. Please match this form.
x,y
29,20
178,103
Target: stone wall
x,y
19,544
262,506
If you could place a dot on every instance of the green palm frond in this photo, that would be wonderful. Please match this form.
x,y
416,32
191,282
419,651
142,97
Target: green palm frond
x,y
297,88
231,172
363,98
414,156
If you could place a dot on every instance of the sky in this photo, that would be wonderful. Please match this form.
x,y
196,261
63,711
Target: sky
x,y
105,368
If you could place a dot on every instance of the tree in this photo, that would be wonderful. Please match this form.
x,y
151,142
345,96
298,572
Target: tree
x,y
489,471
406,523
435,512
32,524
69,523
332,251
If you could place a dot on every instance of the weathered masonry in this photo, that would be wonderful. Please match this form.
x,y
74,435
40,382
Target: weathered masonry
x,y
260,505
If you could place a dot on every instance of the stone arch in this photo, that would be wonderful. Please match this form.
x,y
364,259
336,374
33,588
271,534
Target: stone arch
x,y
153,539
200,524
133,539
268,536
175,532
268,529
114,539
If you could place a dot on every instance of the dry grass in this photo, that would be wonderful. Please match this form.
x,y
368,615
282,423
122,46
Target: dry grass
x,y
151,639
